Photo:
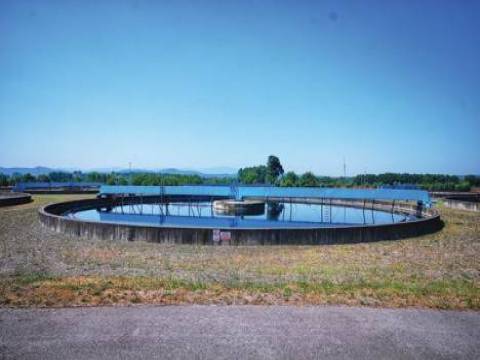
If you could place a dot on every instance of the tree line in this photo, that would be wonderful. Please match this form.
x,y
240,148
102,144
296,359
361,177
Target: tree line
x,y
272,173
431,182
113,178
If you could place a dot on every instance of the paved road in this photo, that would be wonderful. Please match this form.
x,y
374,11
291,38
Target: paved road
x,y
234,332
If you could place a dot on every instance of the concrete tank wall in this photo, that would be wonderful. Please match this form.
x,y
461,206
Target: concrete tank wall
x,y
462,204
51,217
8,198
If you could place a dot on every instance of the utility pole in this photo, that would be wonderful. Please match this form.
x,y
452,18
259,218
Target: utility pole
x,y
130,173
345,181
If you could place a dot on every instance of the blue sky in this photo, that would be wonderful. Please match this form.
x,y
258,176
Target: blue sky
x,y
389,85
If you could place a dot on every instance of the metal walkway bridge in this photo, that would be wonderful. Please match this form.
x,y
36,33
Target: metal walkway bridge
x,y
25,186
241,192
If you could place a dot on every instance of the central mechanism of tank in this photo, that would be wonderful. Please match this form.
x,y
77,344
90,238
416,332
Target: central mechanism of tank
x,y
239,207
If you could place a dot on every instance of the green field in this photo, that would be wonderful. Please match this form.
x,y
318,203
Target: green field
x,y
41,268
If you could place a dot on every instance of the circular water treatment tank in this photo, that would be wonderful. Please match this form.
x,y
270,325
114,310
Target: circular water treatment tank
x,y
194,220
14,198
239,207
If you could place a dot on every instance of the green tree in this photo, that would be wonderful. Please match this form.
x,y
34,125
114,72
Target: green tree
x,y
116,179
95,176
3,180
463,186
28,178
289,179
77,176
274,169
60,176
473,180
308,180
43,178
253,175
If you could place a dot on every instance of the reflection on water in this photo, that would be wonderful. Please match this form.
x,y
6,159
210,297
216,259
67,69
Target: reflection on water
x,y
277,215
274,210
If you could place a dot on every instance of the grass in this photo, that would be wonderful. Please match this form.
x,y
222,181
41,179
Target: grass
x,y
42,268
95,290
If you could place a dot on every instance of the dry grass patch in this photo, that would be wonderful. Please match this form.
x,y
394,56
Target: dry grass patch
x,y
76,291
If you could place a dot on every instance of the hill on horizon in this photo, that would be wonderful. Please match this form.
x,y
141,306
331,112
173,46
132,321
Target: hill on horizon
x,y
42,170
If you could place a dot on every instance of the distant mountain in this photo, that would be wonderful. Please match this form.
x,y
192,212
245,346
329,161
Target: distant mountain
x,y
219,170
41,170
38,170
162,171
179,171
211,172
103,170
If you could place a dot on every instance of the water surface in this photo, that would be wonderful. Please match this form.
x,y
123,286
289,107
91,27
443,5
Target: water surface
x,y
276,215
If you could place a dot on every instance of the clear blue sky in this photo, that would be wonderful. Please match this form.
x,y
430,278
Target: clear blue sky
x,y
389,85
